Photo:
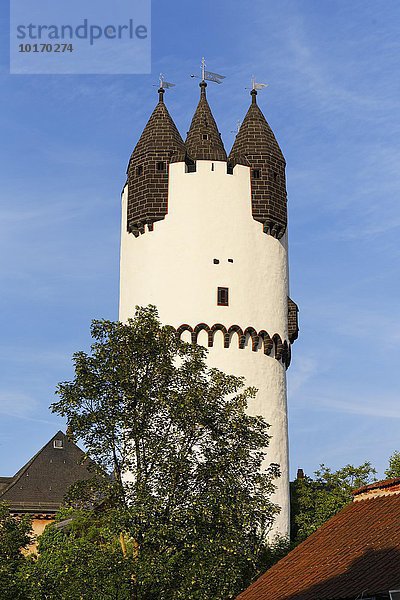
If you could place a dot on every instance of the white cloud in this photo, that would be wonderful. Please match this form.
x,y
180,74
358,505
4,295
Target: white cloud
x,y
364,403
349,319
34,356
305,367
17,404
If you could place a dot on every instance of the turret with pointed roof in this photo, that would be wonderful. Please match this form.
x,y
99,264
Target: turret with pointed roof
x,y
256,146
203,140
158,146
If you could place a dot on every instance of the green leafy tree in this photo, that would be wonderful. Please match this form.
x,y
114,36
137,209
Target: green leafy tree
x,y
315,500
393,469
15,535
187,499
79,557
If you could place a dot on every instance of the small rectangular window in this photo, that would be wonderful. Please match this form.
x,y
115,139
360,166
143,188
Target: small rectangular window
x,y
58,443
223,296
139,170
256,173
229,169
216,261
161,166
205,136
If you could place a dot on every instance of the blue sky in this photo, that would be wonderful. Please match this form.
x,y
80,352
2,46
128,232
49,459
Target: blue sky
x,y
333,103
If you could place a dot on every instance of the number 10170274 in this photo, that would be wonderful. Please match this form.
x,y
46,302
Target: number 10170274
x,y
45,48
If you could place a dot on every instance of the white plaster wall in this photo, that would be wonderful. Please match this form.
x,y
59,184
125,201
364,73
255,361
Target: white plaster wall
x,y
269,377
209,216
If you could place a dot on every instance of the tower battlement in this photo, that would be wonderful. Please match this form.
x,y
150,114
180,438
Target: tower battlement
x,y
161,144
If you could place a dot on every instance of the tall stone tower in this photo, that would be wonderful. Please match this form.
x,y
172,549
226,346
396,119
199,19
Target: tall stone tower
x,y
204,238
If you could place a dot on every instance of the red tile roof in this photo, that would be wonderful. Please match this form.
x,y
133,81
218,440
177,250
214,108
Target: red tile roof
x,y
356,554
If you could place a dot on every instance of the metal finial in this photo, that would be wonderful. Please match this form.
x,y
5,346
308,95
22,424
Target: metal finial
x,y
256,86
165,85
161,92
208,75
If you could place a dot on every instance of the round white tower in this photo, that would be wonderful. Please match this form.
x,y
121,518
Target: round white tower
x,y
204,239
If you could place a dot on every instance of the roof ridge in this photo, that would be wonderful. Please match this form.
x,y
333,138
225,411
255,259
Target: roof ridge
x,y
376,485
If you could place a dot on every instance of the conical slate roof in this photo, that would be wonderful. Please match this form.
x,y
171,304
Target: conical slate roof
x,y
159,145
160,134
256,147
203,140
255,137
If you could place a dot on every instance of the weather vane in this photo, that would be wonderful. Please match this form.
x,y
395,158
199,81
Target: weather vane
x,y
165,85
257,86
208,75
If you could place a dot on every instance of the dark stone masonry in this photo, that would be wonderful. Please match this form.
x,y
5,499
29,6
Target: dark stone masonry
x,y
293,323
158,146
256,146
271,345
203,140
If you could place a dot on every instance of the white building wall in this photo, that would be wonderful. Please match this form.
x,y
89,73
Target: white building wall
x,y
209,217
